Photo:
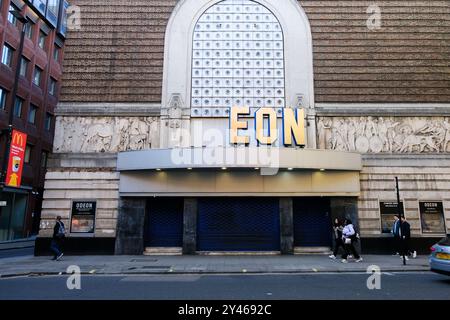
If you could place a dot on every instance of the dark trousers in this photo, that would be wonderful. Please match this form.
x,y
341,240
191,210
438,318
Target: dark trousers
x,y
56,246
404,247
397,244
338,244
350,249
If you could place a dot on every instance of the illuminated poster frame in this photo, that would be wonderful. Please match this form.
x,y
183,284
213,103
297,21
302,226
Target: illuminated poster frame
x,y
83,216
432,217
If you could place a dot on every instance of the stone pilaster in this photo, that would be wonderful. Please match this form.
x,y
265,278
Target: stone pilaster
x,y
190,226
286,226
130,227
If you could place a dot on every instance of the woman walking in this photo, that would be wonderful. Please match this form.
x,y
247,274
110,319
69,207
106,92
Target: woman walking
x,y
338,227
349,238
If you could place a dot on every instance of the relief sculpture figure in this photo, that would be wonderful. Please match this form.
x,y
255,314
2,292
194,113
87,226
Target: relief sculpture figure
x,y
385,134
108,134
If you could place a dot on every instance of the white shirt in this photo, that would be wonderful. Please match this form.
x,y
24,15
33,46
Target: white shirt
x,y
348,231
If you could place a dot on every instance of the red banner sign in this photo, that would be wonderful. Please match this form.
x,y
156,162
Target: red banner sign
x,y
16,159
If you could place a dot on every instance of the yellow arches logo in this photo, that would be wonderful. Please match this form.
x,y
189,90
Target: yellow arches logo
x,y
18,139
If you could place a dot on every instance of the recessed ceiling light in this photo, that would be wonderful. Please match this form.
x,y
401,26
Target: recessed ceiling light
x,y
224,168
158,170
256,168
322,170
290,169
189,168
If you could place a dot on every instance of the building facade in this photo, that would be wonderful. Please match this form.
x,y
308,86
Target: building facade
x,y
249,125
33,108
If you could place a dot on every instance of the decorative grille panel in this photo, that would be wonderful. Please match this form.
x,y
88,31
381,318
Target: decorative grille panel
x,y
238,59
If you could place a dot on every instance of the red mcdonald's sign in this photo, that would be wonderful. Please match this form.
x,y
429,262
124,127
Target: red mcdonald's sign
x,y
16,159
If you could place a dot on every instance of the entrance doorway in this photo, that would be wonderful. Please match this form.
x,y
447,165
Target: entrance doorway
x,y
12,215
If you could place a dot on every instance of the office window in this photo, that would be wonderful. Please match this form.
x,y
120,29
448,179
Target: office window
x,y
11,18
44,159
18,104
7,55
28,151
32,114
52,87
37,76
53,6
53,11
29,29
48,121
24,66
3,95
63,20
56,53
41,5
42,37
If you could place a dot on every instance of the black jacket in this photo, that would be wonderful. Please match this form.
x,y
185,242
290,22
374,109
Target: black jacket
x,y
56,230
338,232
405,230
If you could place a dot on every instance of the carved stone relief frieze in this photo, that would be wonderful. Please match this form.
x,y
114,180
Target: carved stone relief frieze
x,y
105,134
384,134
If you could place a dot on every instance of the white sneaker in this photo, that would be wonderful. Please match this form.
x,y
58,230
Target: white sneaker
x,y
59,257
350,256
359,260
414,254
332,257
344,261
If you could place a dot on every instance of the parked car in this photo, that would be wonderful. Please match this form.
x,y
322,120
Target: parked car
x,y
440,257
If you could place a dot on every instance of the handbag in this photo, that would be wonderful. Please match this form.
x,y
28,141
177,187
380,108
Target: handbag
x,y
61,231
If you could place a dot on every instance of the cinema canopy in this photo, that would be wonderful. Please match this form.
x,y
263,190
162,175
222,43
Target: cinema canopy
x,y
205,132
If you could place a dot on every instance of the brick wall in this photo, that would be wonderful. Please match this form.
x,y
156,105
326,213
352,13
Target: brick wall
x,y
118,54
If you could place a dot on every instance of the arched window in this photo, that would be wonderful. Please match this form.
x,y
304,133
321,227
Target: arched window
x,y
237,59
236,52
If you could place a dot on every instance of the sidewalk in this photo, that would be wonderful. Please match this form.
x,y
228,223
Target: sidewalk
x,y
18,244
117,265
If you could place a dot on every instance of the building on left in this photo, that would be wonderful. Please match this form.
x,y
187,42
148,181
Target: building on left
x,y
30,81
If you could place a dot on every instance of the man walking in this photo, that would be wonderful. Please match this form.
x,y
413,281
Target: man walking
x,y
405,236
59,233
396,233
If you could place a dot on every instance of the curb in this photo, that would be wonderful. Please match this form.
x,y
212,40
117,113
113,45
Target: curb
x,y
197,272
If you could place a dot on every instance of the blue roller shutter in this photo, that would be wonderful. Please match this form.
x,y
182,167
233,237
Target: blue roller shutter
x,y
164,223
238,224
312,222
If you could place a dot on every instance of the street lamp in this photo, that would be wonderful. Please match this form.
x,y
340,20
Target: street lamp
x,y
399,210
9,130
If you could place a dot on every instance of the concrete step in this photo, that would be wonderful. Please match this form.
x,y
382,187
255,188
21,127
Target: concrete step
x,y
238,253
312,250
163,251
179,251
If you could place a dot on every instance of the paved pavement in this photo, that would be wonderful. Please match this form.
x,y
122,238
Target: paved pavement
x,y
20,252
131,265
322,286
